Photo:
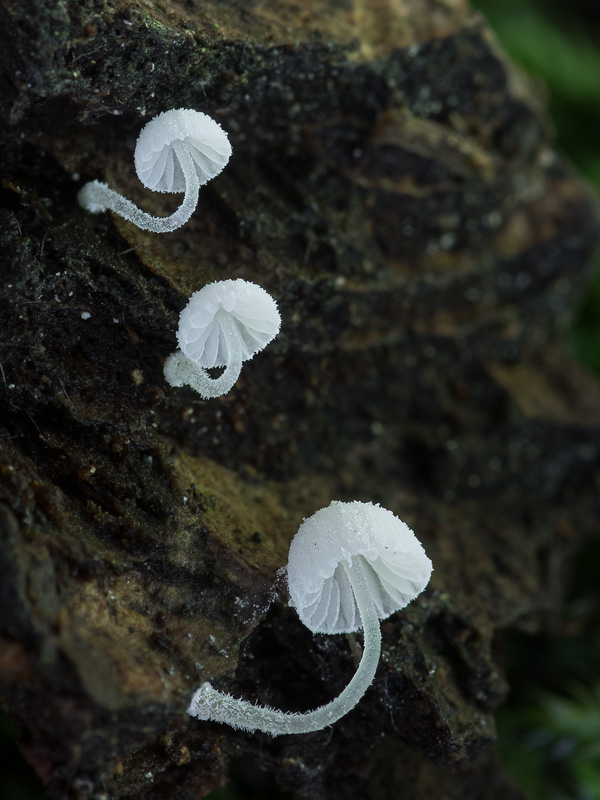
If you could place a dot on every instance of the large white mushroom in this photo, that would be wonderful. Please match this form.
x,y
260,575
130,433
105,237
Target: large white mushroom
x,y
178,151
223,325
350,565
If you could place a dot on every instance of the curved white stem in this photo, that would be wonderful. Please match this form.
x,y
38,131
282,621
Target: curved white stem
x,y
96,197
179,370
210,704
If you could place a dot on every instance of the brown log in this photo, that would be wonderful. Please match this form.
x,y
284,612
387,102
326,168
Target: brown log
x,y
393,187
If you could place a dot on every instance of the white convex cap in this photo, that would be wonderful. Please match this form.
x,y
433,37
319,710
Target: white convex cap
x,y
396,565
156,161
350,565
177,151
223,325
206,339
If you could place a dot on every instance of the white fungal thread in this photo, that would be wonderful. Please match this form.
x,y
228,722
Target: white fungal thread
x,y
178,151
223,325
350,565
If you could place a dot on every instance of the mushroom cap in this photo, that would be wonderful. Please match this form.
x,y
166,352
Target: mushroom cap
x,y
156,162
205,340
395,563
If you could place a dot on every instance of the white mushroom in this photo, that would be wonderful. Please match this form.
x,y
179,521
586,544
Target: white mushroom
x,y
350,565
178,151
223,325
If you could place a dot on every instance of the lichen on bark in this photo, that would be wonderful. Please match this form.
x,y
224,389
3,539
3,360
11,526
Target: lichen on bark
x,y
393,187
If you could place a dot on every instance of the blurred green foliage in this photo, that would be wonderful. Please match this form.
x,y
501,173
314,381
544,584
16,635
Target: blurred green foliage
x,y
552,744
549,731
559,43
550,739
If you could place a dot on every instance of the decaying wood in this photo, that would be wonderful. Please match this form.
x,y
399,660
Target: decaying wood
x,y
393,187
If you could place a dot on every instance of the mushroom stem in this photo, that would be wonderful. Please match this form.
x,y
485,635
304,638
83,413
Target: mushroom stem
x,y
96,197
180,370
208,703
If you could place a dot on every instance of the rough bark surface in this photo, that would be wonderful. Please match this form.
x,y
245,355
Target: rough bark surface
x,y
392,186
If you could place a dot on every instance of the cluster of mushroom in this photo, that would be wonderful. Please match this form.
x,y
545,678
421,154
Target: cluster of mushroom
x,y
226,322
350,564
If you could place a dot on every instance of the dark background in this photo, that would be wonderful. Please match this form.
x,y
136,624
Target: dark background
x,y
549,731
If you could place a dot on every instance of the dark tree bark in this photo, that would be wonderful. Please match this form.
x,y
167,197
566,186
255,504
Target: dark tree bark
x,y
392,186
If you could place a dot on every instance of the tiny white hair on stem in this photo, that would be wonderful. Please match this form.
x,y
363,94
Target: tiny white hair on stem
x,y
350,565
224,324
177,151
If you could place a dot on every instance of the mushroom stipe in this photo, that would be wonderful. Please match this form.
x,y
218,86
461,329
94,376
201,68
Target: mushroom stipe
x,y
223,325
178,151
350,565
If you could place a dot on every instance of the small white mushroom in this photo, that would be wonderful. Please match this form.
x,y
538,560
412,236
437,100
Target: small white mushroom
x,y
178,151
223,325
350,565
